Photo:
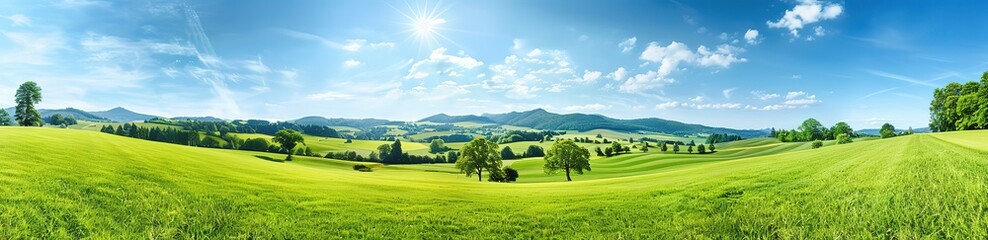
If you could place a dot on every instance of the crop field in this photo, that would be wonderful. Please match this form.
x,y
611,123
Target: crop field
x,y
90,184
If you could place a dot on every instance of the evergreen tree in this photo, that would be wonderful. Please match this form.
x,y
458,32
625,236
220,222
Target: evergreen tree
x,y
27,95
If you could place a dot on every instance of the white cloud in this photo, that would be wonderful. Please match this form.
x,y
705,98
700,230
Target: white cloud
x,y
670,56
722,57
327,96
764,96
805,13
556,87
697,99
534,53
32,48
587,107
523,77
440,63
751,36
354,45
443,91
590,76
618,74
794,95
350,63
19,20
819,31
667,105
628,44
800,99
257,66
645,81
382,45
517,44
723,36
727,92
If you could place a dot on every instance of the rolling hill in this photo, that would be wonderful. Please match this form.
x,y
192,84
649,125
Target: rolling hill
x,y
119,114
78,114
86,184
542,119
356,123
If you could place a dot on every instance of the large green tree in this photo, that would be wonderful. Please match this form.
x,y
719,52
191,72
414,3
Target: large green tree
x,y
437,146
5,118
567,156
811,129
841,127
288,139
959,106
478,155
27,95
887,130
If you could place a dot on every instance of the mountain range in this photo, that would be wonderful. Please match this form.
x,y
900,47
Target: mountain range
x,y
542,119
536,119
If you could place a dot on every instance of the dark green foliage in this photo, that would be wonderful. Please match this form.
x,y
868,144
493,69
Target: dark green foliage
x,y
567,156
510,174
255,144
437,146
168,135
663,147
534,151
712,148
27,95
960,107
58,119
249,126
452,156
517,136
5,118
479,155
451,138
675,148
721,138
887,130
608,151
395,154
361,168
288,139
599,152
701,149
507,154
689,149
817,144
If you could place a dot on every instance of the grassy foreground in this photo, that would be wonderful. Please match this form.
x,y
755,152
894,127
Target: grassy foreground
x,y
63,183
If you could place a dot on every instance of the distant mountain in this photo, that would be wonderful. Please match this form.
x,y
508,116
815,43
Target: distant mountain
x,y
876,132
201,119
356,123
443,118
76,113
120,114
542,119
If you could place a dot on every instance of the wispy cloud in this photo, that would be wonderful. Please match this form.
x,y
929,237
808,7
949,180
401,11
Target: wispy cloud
x,y
900,78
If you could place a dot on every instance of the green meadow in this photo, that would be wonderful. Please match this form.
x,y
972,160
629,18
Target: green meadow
x,y
68,183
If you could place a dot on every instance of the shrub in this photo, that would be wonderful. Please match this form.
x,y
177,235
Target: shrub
x,y
510,174
843,138
817,144
362,168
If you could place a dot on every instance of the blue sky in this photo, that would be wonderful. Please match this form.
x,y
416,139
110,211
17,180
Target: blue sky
x,y
741,64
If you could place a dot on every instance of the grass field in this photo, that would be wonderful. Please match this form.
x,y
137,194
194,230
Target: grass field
x,y
64,183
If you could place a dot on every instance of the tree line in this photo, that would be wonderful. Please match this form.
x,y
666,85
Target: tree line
x,y
811,130
959,106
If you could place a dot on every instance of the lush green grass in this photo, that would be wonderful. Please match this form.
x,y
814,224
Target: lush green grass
x,y
63,183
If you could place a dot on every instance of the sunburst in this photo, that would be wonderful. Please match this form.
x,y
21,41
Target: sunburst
x,y
425,23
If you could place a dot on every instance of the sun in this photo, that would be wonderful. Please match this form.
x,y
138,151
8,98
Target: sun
x,y
424,22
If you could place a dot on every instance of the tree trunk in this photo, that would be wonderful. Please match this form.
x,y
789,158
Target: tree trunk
x,y
480,175
568,179
289,158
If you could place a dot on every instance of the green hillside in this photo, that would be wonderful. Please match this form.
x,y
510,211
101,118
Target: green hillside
x,y
66,183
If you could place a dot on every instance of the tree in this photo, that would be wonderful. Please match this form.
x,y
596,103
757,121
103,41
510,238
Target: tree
x,y
817,144
451,156
675,148
510,174
567,156
608,152
616,146
712,148
839,128
887,130
255,144
701,149
478,155
383,151
843,138
288,139
507,154
599,152
644,148
534,151
689,149
437,146
5,118
27,95
396,155
810,130
664,147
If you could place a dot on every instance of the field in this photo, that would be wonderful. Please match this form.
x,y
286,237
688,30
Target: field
x,y
65,183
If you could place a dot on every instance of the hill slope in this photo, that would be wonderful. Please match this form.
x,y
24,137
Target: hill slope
x,y
61,183
541,119
119,114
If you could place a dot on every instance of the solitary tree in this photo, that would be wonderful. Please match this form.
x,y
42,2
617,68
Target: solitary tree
x,y
510,174
567,156
712,148
599,152
663,147
689,149
4,118
675,148
288,139
27,95
841,127
478,155
843,138
701,149
617,147
887,130
396,155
